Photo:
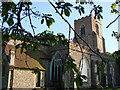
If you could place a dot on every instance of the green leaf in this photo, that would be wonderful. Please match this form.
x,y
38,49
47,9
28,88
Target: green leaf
x,y
57,38
30,2
79,82
52,20
82,9
42,21
68,4
48,23
52,43
66,12
10,22
69,9
77,70
98,16
101,16
79,12
113,5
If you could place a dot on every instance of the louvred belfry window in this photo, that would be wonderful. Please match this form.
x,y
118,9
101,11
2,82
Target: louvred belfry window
x,y
82,30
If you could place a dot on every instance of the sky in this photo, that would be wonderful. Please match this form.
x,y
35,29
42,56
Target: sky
x,y
61,27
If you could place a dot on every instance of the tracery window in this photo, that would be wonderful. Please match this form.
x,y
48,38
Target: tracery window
x,y
56,68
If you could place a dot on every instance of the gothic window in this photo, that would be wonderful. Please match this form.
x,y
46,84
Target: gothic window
x,y
97,28
82,31
59,73
55,72
84,68
56,67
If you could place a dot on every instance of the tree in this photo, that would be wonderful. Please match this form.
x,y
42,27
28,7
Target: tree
x,y
14,29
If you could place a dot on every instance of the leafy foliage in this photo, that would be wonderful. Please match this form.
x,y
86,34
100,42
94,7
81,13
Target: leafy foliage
x,y
16,12
101,67
65,7
71,66
48,18
98,10
12,16
116,35
114,8
116,56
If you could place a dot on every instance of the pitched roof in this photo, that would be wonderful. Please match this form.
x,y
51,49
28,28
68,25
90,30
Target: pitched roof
x,y
24,60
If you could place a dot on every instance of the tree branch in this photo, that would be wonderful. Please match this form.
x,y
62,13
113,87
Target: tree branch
x,y
31,20
113,21
75,31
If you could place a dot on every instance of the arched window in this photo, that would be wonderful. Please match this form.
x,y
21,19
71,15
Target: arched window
x,y
56,67
97,28
82,30
84,69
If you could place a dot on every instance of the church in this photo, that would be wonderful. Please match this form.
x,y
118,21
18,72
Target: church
x,y
19,73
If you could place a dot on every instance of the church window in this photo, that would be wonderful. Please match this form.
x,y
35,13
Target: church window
x,y
97,28
84,68
55,72
59,73
82,30
56,68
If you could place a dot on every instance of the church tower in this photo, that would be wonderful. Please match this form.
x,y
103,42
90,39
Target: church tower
x,y
90,29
